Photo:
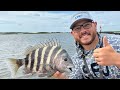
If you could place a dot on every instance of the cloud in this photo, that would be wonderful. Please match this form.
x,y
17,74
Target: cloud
x,y
34,21
51,21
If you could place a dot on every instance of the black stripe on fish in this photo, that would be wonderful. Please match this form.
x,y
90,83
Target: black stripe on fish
x,y
32,60
26,60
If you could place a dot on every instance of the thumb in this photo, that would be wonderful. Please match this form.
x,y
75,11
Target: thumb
x,y
105,41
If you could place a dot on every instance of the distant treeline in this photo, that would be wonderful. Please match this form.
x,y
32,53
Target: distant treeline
x,y
116,32
109,32
30,32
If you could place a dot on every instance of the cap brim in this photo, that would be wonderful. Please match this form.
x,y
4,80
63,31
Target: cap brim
x,y
74,23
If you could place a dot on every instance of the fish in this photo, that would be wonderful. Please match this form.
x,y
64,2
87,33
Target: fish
x,y
43,59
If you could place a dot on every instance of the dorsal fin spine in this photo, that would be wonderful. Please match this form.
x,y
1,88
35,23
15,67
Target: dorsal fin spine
x,y
52,42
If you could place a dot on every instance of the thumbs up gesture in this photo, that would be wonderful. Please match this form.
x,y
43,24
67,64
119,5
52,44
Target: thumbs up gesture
x,y
106,55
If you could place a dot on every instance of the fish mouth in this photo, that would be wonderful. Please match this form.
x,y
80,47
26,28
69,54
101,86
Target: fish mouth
x,y
70,68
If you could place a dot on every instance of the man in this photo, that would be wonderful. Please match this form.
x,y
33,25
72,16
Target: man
x,y
88,40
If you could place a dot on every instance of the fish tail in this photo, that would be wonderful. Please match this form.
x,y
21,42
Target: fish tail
x,y
13,65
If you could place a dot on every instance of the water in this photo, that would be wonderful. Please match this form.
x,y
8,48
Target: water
x,y
14,45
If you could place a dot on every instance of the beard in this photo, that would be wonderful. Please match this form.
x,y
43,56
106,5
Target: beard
x,y
86,41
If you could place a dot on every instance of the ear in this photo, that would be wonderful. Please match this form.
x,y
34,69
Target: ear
x,y
95,24
72,32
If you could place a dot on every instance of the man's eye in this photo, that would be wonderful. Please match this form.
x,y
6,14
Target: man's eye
x,y
86,25
78,27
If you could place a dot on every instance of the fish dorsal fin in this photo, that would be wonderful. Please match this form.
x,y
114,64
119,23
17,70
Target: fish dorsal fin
x,y
28,50
47,43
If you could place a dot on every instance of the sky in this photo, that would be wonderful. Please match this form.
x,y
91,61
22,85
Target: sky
x,y
53,21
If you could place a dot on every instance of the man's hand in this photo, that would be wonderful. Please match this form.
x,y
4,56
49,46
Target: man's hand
x,y
107,55
59,75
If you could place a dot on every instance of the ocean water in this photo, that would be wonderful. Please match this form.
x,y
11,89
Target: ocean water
x,y
14,46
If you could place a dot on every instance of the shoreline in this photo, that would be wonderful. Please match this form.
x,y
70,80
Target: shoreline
x,y
31,32
116,33
7,33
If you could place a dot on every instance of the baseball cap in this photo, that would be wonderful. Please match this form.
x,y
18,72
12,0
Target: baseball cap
x,y
79,16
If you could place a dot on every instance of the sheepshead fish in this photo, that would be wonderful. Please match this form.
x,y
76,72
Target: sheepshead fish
x,y
43,59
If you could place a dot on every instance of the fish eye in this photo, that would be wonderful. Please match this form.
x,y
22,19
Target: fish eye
x,y
65,59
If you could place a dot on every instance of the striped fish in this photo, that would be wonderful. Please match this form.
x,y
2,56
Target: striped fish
x,y
43,59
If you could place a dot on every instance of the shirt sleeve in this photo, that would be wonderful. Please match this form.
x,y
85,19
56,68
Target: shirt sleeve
x,y
114,70
76,73
115,43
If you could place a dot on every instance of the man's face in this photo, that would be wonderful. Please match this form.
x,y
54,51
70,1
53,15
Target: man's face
x,y
84,32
